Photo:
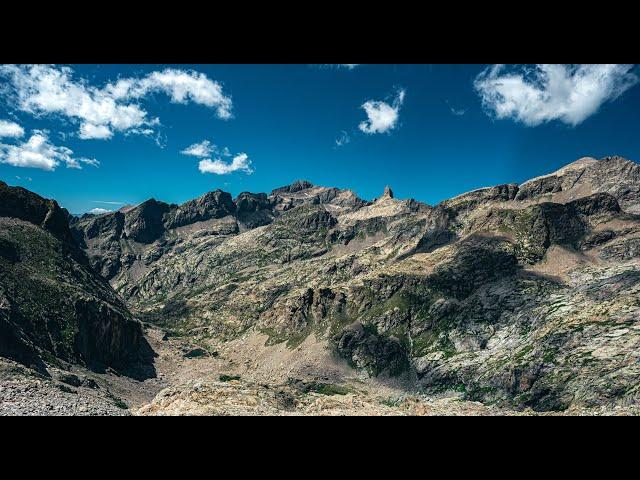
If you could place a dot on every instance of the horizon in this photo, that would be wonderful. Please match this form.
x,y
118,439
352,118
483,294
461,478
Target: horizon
x,y
105,136
269,192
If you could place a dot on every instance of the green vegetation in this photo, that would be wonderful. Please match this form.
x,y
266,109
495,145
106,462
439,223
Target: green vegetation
x,y
328,389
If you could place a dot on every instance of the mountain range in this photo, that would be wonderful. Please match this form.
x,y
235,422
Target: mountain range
x,y
519,297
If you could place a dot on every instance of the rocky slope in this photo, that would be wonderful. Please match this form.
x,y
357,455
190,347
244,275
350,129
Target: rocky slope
x,y
523,296
54,309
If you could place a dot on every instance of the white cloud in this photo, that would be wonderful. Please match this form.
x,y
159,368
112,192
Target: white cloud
x,y
202,149
44,89
541,93
10,129
99,132
182,86
347,66
382,117
240,162
87,161
49,90
39,152
205,149
99,211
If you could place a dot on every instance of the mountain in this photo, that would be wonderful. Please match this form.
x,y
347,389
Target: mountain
x,y
521,296
54,309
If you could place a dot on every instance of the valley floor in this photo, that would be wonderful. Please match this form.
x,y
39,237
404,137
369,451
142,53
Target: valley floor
x,y
238,378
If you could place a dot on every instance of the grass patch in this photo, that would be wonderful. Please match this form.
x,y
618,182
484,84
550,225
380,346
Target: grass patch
x,y
327,389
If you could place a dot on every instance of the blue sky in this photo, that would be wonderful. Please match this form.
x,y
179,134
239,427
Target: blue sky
x,y
429,131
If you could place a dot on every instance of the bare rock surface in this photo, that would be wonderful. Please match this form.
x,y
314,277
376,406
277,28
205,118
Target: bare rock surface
x,y
26,393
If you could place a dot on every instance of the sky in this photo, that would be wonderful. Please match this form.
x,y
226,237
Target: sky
x,y
102,136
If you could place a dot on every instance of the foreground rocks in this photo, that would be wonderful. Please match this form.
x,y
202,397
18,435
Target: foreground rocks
x,y
25,393
238,398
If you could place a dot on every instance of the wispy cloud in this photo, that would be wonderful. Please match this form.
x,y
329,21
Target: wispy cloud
x,y
240,162
50,90
107,203
343,139
39,152
10,129
381,116
346,66
458,112
541,93
201,150
337,66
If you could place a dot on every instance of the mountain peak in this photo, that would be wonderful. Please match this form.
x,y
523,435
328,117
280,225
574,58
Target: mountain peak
x,y
388,193
18,202
577,165
296,186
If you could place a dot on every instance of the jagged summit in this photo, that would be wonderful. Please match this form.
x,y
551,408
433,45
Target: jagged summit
x,y
295,187
388,193
18,202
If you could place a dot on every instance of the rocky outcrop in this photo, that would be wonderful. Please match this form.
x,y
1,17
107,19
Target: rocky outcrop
x,y
365,349
145,223
253,209
217,204
476,261
464,203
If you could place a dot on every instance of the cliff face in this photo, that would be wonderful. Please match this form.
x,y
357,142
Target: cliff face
x,y
53,307
519,295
